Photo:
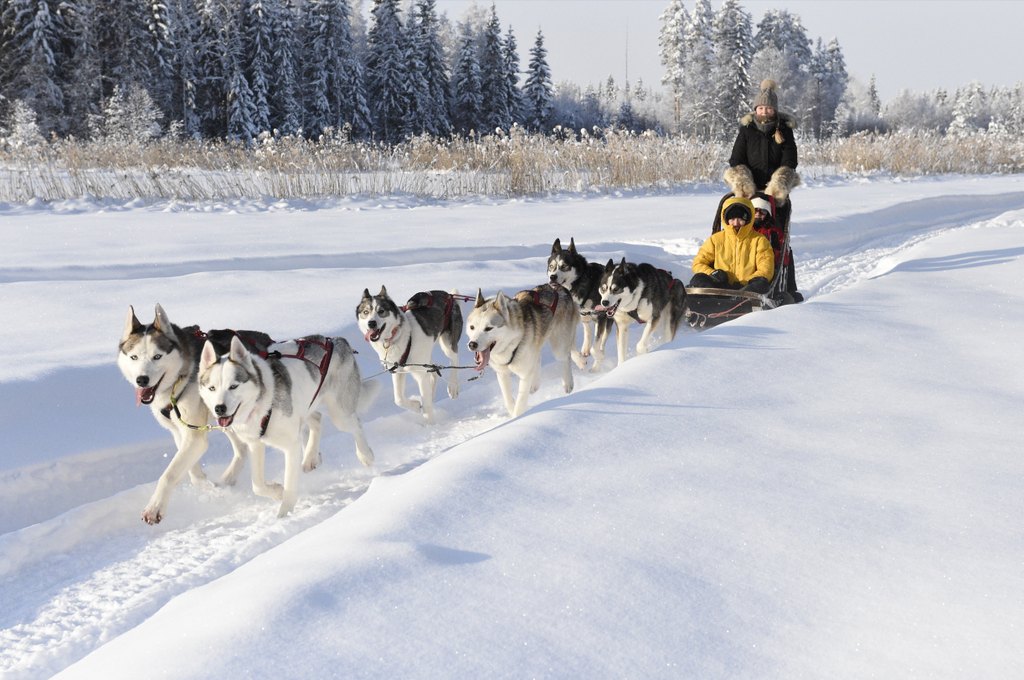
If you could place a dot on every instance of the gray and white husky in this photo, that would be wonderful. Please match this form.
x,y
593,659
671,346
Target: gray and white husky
x,y
508,334
568,268
642,293
404,339
162,361
269,399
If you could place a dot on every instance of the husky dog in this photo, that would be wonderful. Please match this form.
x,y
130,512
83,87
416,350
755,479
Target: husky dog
x,y
570,269
404,340
508,333
643,293
268,400
162,361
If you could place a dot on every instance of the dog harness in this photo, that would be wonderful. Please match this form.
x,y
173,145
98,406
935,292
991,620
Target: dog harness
x,y
325,361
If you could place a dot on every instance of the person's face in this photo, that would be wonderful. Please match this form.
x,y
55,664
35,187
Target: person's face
x,y
764,113
760,214
736,223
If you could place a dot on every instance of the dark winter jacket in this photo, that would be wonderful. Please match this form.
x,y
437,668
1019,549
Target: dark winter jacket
x,y
760,152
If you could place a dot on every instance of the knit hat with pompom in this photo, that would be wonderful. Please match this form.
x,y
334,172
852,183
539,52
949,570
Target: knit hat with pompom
x,y
767,95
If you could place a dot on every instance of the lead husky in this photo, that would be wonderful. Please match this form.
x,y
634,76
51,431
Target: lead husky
x,y
269,400
643,293
404,340
162,361
570,269
508,333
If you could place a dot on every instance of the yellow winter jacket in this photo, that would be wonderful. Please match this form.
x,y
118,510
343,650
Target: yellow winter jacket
x,y
743,256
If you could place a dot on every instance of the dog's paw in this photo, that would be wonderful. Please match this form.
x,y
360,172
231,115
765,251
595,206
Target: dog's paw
x,y
272,490
312,462
453,390
152,515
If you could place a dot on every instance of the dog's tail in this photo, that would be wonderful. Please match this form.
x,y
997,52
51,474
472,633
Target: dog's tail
x,y
368,392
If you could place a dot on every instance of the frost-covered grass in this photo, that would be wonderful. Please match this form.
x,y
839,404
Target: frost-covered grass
x,y
506,164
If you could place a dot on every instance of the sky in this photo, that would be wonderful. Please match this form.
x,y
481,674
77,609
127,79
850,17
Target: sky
x,y
911,45
824,490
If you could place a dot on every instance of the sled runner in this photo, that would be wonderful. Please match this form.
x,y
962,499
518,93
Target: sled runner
x,y
708,307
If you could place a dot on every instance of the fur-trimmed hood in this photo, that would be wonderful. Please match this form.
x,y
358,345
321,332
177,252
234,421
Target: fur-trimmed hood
x,y
784,118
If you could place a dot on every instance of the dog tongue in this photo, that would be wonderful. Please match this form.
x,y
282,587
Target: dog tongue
x,y
144,395
225,421
372,334
482,358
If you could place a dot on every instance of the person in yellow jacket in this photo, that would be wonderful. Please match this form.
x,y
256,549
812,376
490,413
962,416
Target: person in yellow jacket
x,y
737,256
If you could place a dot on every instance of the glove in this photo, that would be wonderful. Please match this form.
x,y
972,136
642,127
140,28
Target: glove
x,y
758,284
720,277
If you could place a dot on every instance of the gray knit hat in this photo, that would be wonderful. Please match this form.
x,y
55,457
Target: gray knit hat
x,y
767,96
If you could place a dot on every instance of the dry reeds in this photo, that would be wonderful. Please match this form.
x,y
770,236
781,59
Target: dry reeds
x,y
508,164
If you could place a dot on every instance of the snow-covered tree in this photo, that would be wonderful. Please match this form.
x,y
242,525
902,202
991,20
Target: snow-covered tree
x,y
333,84
537,91
970,110
786,60
130,115
429,80
31,36
81,71
467,100
387,82
674,21
258,56
513,94
826,87
22,129
285,84
698,102
493,81
732,55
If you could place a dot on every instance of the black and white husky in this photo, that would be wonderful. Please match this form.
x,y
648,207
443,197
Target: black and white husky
x,y
508,334
404,339
268,398
642,293
162,361
568,268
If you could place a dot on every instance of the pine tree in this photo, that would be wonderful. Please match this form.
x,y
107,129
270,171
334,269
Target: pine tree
x,y
537,93
698,105
333,88
834,80
387,82
81,75
242,112
493,81
163,52
429,80
467,101
184,83
32,35
732,57
257,56
285,101
211,80
512,93
673,53
790,65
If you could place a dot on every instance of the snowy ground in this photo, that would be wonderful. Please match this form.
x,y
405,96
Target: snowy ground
x,y
827,490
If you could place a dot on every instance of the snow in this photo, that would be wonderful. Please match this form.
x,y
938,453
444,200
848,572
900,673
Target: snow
x,y
824,490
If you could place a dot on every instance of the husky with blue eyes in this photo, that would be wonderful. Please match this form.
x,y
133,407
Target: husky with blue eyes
x,y
404,339
161,361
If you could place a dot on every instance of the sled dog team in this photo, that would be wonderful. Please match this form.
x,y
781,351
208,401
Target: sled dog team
x,y
262,392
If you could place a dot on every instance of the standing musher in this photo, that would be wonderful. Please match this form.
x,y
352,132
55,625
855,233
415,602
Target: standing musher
x,y
764,159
